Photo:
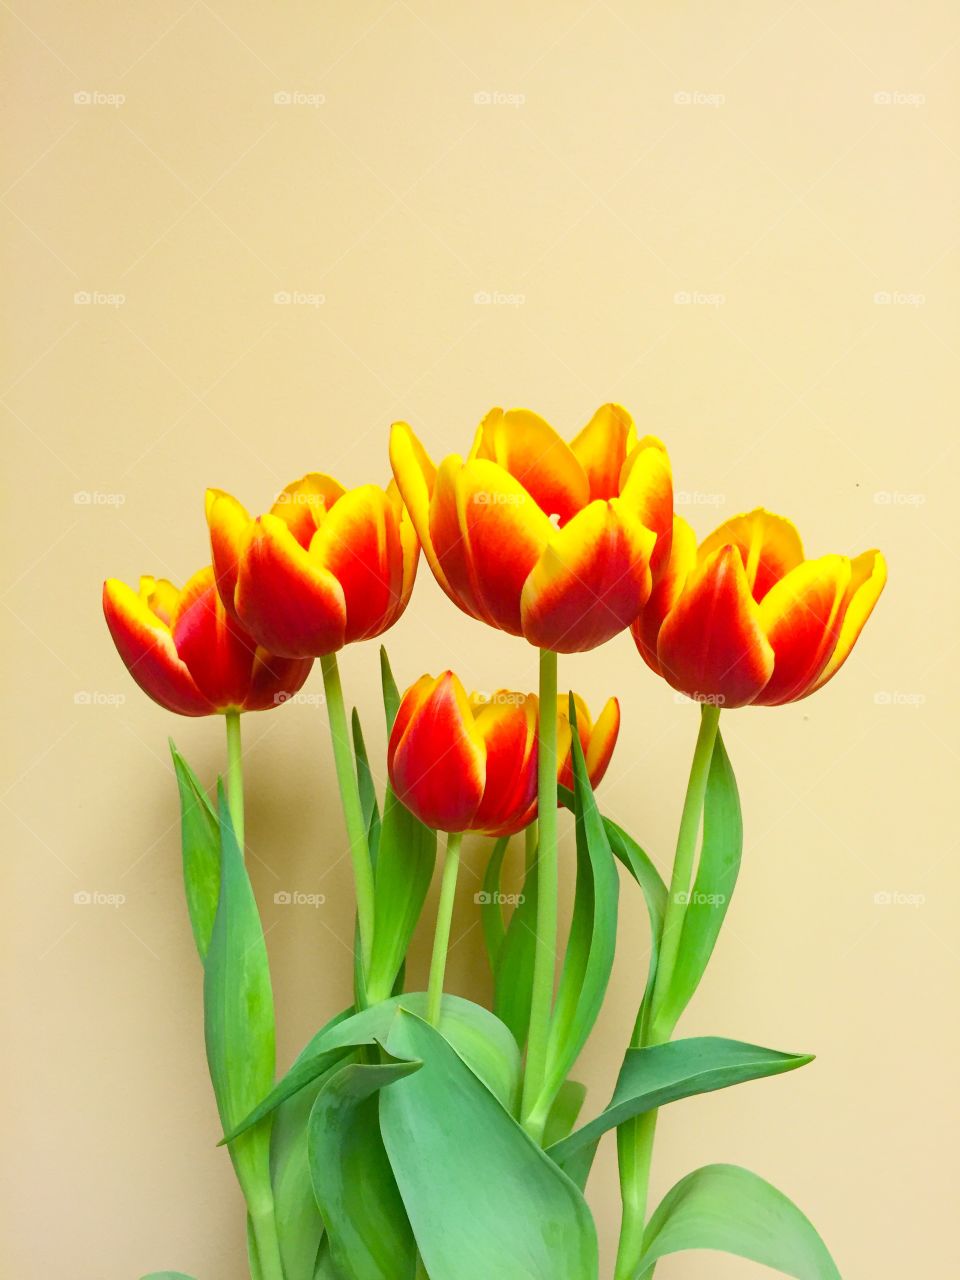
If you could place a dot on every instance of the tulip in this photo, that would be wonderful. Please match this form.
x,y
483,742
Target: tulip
x,y
324,567
469,763
745,620
187,653
552,541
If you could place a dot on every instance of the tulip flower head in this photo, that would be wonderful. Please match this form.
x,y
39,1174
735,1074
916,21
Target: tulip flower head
x,y
324,567
552,541
744,619
469,763
186,652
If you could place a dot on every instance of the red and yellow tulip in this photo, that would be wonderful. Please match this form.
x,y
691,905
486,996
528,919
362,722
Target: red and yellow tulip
x,y
187,653
469,762
745,619
552,541
324,567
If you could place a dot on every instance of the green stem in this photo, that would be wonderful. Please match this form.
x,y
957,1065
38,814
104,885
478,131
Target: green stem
x,y
235,774
441,937
635,1138
545,955
350,800
267,1238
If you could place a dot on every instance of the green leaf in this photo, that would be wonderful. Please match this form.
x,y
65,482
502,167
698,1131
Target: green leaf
x,y
483,1199
713,885
564,1112
491,908
367,1227
325,1268
391,694
406,857
641,867
653,1076
238,1012
513,977
593,931
200,843
368,792
724,1207
477,1035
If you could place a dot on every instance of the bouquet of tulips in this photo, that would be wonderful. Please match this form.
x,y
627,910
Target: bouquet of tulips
x,y
419,1134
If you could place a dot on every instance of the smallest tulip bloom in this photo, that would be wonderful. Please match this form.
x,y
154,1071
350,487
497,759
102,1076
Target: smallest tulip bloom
x,y
186,652
469,763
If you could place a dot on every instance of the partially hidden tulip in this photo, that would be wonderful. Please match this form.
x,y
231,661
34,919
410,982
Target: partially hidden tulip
x,y
469,762
324,567
555,542
187,653
745,619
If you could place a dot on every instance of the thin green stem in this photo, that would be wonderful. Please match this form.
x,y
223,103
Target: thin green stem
x,y
235,774
545,955
350,800
264,1223
441,937
635,1138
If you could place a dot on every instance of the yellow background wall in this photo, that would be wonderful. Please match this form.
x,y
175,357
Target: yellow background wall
x,y
789,168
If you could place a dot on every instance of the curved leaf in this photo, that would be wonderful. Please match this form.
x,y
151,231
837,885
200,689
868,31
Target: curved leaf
x,y
513,977
480,1038
491,910
238,1012
724,1207
200,843
406,855
391,694
367,1227
653,1076
564,1113
477,1189
368,792
593,932
713,885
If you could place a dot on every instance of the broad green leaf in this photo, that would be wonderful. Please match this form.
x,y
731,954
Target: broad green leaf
x,y
477,1035
391,694
640,866
713,885
406,856
724,1207
238,1013
325,1268
593,931
653,1076
564,1113
368,792
491,908
483,1199
200,842
513,977
370,1237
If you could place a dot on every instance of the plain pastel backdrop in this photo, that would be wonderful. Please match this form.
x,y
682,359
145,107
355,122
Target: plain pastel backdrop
x,y
241,239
